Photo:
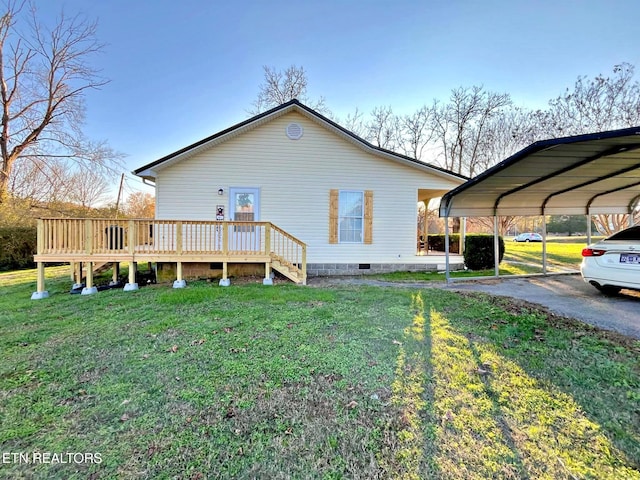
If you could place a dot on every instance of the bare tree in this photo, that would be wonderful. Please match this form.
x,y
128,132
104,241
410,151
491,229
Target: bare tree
x,y
611,223
460,126
416,132
44,74
355,123
280,87
383,129
486,225
87,188
593,105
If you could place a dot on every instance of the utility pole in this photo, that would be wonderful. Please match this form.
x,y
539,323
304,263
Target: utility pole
x,y
119,194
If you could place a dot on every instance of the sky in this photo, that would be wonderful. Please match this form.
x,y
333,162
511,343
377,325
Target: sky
x,y
180,71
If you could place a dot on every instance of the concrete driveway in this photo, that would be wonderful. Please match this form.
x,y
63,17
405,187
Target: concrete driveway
x,y
567,295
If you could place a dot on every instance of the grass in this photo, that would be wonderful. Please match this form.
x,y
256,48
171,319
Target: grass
x,y
293,382
520,258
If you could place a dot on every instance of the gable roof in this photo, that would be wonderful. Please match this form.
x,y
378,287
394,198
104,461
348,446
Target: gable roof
x,y
149,171
579,175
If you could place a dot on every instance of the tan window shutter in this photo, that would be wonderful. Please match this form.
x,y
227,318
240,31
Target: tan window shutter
x,y
368,216
333,216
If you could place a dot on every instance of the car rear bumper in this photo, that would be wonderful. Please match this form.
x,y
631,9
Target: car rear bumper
x,y
619,277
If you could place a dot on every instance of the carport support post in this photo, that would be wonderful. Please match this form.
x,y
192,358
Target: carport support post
x,y
588,228
496,247
447,276
544,244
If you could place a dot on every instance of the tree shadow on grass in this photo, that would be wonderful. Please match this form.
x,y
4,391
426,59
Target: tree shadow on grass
x,y
514,395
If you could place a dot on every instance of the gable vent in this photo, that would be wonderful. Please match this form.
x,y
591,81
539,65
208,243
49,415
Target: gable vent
x,y
294,131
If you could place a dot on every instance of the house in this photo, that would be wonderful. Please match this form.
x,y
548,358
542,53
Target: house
x,y
287,190
354,205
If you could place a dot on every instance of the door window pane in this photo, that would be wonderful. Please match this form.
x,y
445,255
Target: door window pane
x,y
244,204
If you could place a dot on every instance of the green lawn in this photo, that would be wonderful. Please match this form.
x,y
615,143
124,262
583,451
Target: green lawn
x,y
520,258
301,382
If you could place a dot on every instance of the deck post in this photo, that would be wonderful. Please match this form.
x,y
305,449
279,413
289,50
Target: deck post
x,y
89,289
132,285
116,273
304,264
225,238
40,292
267,280
267,238
133,235
179,239
224,281
77,275
179,283
88,236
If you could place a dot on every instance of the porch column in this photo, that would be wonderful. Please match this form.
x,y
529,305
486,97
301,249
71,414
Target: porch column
x,y
89,289
132,285
447,273
224,281
179,283
40,292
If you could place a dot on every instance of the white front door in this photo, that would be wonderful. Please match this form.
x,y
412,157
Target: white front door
x,y
244,206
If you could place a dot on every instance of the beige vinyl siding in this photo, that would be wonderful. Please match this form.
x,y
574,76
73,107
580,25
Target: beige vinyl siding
x,y
295,178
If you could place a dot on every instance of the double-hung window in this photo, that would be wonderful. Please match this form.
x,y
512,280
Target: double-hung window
x,y
350,216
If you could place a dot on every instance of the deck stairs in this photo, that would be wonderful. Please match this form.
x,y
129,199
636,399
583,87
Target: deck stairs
x,y
289,270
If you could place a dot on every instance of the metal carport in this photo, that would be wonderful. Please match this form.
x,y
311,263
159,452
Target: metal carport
x,y
579,175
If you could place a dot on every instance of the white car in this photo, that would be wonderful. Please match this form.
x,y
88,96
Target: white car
x,y
613,263
528,237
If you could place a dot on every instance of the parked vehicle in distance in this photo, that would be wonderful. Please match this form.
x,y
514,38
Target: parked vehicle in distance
x,y
613,263
528,237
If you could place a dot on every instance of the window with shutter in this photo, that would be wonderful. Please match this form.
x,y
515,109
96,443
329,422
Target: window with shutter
x,y
351,216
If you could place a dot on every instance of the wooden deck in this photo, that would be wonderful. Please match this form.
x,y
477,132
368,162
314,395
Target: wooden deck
x,y
178,241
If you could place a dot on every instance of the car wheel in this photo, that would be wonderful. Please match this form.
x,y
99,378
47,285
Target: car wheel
x,y
527,240
610,289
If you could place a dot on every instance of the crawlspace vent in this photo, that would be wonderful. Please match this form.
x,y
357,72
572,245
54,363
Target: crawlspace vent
x,y
294,131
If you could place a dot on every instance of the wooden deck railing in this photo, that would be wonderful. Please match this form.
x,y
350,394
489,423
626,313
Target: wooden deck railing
x,y
62,239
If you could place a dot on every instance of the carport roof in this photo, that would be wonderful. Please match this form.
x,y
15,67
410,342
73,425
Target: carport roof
x,y
584,174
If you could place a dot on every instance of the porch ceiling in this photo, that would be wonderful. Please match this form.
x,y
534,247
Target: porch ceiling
x,y
425,194
585,174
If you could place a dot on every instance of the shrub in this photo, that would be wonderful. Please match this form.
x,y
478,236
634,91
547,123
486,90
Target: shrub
x,y
479,251
436,242
17,247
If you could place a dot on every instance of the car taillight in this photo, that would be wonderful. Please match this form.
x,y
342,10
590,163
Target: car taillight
x,y
592,252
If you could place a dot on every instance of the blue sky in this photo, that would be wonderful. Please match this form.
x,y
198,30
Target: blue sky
x,y
181,71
